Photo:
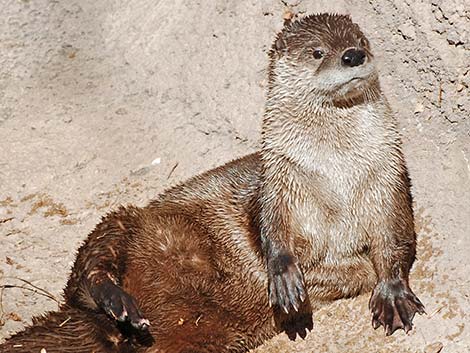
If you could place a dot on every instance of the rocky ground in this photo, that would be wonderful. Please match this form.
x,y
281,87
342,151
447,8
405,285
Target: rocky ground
x,y
106,102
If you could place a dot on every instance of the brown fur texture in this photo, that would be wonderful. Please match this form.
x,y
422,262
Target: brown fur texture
x,y
69,330
322,212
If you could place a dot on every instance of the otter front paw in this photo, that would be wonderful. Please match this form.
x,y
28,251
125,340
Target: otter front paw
x,y
286,283
393,306
118,304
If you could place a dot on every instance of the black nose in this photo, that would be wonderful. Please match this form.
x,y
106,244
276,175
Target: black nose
x,y
353,57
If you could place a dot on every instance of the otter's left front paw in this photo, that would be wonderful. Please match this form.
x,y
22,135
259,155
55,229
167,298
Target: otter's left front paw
x,y
393,306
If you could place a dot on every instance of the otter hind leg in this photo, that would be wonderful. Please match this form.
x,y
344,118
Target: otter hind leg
x,y
192,304
96,277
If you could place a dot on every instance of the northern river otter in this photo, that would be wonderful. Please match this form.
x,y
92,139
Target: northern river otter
x,y
229,258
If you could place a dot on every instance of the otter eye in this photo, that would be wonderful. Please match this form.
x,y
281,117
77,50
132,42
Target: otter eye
x,y
318,53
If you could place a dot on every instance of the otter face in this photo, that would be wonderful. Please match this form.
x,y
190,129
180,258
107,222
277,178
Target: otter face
x,y
329,56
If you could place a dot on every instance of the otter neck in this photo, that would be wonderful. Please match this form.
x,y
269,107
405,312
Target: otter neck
x,y
302,121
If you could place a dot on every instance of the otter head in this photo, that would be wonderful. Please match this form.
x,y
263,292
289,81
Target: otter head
x,y
324,58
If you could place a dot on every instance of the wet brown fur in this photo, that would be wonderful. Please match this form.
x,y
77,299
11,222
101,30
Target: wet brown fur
x,y
195,257
69,330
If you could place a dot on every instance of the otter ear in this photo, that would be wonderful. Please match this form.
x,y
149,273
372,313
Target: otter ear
x,y
364,42
280,45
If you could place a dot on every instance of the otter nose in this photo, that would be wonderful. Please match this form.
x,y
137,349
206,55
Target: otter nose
x,y
353,57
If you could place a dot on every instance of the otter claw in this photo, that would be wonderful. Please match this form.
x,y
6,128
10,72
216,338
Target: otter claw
x,y
394,306
286,285
288,296
142,324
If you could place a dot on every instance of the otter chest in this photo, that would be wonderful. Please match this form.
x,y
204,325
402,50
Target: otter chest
x,y
328,214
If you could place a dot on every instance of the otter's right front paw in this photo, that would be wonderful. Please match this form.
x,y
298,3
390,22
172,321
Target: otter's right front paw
x,y
286,283
118,304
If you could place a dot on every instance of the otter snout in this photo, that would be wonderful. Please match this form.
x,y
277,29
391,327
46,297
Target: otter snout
x,y
353,57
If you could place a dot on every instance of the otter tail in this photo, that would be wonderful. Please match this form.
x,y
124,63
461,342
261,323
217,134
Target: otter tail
x,y
68,330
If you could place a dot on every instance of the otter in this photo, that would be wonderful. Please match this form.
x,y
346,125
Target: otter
x,y
232,257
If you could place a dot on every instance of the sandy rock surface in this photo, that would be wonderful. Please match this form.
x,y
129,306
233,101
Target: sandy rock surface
x,y
107,102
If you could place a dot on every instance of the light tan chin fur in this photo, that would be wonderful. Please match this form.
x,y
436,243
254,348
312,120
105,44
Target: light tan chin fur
x,y
359,88
352,89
